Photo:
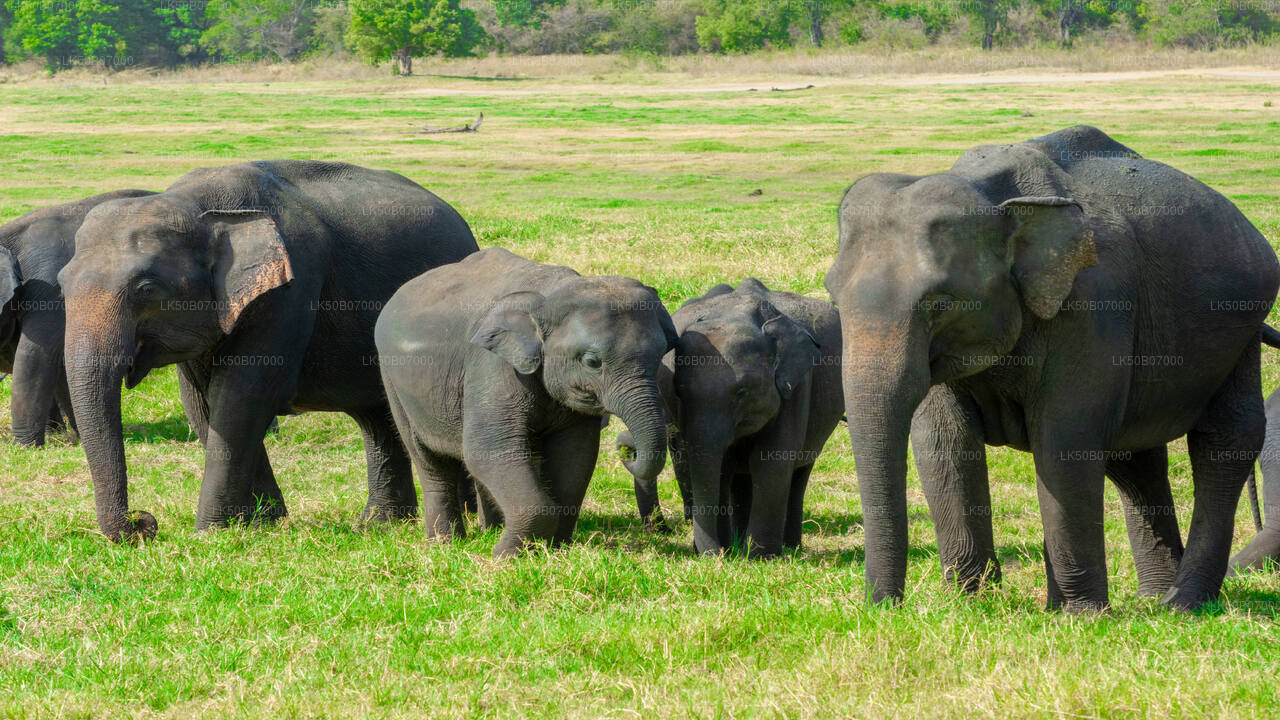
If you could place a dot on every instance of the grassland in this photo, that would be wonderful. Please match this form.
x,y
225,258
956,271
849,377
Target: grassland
x,y
646,175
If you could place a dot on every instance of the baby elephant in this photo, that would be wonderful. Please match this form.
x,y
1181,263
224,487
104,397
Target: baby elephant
x,y
502,368
753,392
33,248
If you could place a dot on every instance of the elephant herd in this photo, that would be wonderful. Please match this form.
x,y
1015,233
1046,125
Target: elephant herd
x,y
1063,296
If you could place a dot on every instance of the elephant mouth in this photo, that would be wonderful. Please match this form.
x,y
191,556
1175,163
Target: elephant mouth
x,y
584,398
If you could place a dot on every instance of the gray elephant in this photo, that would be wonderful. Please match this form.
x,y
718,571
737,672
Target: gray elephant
x,y
1068,298
262,281
502,368
752,392
1265,547
33,248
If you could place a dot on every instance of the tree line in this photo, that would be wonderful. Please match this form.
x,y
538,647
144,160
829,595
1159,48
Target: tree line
x,y
169,33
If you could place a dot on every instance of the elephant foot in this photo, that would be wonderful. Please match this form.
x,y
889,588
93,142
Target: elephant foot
x,y
269,511
972,577
388,512
1083,606
139,527
29,440
657,523
1154,590
440,528
1263,553
1189,596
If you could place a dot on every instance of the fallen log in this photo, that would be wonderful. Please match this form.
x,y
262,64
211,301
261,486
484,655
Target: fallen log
x,y
428,130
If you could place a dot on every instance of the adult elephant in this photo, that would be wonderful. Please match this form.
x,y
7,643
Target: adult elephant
x,y
1065,297
33,248
263,280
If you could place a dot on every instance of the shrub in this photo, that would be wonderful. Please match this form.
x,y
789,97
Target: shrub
x,y
738,26
1207,24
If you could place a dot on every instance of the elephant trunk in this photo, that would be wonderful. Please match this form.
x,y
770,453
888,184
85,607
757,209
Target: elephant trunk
x,y
640,408
882,391
99,351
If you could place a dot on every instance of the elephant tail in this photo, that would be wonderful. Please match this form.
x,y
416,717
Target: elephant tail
x,y
1270,336
1252,485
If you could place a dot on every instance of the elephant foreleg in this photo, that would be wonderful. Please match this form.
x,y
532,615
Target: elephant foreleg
x,y
951,456
568,459
37,370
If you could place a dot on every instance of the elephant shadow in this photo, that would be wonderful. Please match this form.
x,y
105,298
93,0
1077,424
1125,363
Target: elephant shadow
x,y
172,428
1262,603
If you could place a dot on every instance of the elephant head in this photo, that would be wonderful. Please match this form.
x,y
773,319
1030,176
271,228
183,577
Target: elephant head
x,y
934,281
154,281
598,342
10,280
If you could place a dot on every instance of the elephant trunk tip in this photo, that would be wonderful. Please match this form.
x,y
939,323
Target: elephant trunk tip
x,y
138,527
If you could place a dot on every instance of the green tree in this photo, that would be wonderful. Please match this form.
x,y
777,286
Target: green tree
x,y
738,26
176,36
251,29
67,32
400,29
523,13
990,15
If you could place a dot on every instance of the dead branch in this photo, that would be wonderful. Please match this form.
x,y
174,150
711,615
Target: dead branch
x,y
465,128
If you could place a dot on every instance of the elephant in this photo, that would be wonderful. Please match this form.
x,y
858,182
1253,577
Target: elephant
x,y
502,368
1065,297
33,248
1265,547
752,392
262,282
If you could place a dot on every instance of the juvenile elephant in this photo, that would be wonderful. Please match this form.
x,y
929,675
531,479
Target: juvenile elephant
x,y
262,281
752,392
1265,547
502,368
1065,297
33,248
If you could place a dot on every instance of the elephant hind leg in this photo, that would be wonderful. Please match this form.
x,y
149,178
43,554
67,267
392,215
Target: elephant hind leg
x,y
1224,445
391,492
1143,481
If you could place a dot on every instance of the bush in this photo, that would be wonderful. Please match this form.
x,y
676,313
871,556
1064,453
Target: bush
x,y
893,33
737,26
259,29
660,27
1207,24
329,37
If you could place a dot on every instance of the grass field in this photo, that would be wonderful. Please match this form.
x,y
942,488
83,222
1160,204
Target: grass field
x,y
648,176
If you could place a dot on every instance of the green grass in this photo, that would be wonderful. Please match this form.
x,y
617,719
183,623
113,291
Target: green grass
x,y
318,616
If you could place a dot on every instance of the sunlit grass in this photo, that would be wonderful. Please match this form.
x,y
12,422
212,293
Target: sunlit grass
x,y
317,616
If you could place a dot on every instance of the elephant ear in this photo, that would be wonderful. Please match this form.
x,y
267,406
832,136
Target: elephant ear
x,y
1051,244
249,259
510,332
10,276
797,350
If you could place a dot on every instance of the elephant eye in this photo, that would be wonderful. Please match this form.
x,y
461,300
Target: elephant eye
x,y
936,305
592,360
146,289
